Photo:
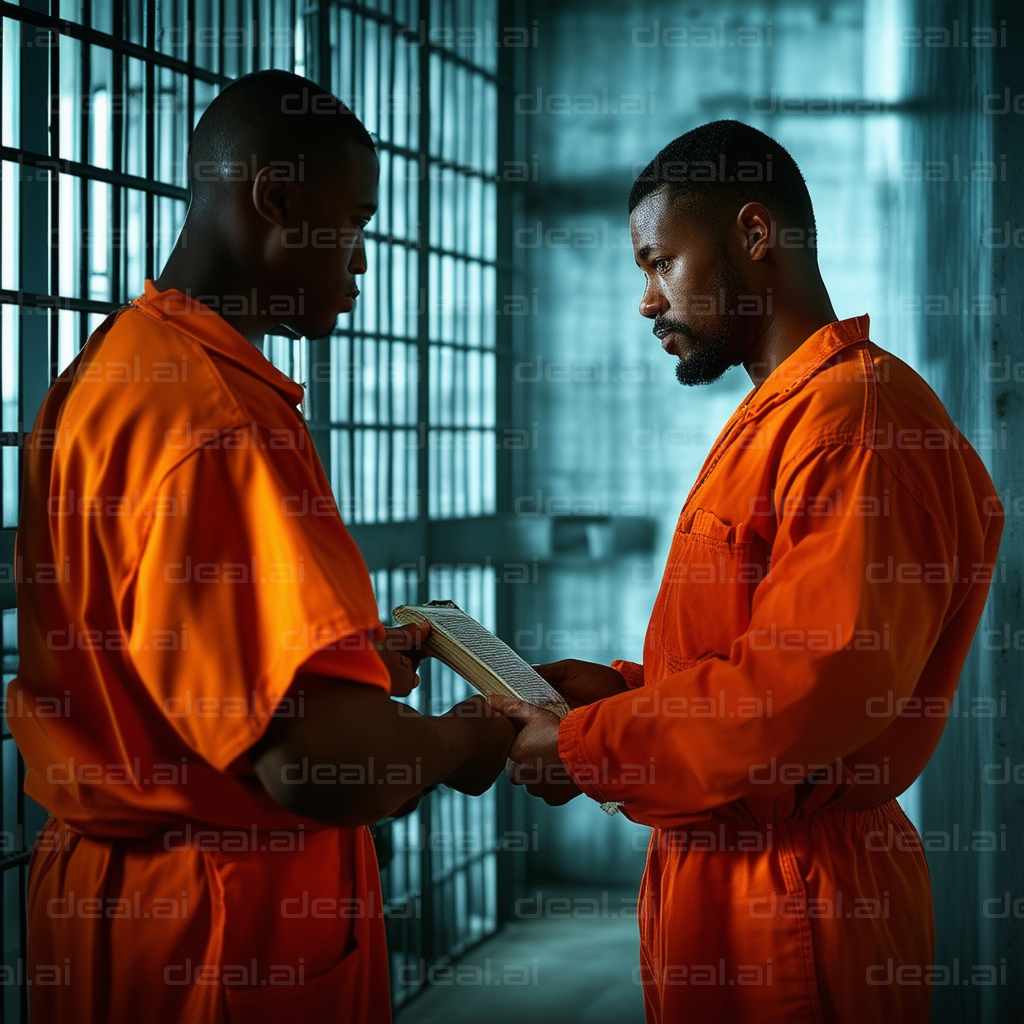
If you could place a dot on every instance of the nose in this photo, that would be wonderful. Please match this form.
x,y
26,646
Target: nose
x,y
357,261
652,302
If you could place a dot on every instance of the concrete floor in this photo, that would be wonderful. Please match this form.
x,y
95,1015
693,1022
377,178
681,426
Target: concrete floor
x,y
558,967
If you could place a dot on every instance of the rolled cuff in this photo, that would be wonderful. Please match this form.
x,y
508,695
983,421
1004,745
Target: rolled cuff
x,y
572,752
631,672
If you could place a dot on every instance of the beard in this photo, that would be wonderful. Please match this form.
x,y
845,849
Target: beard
x,y
709,360
715,351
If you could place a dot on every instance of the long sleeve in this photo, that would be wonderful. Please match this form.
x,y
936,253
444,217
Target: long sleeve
x,y
839,631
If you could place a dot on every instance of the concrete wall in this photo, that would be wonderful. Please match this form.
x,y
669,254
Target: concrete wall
x,y
976,363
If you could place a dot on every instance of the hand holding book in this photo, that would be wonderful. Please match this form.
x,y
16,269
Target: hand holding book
x,y
477,774
582,682
484,736
533,759
401,650
484,661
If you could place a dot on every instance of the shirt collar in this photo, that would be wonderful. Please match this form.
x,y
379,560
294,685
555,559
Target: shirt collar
x,y
215,333
798,367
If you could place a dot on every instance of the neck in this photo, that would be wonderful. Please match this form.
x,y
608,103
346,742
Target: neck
x,y
784,331
202,268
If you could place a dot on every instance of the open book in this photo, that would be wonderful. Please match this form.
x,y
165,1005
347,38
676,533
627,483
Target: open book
x,y
485,662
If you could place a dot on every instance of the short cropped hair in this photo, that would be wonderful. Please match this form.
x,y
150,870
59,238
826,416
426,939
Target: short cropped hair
x,y
729,160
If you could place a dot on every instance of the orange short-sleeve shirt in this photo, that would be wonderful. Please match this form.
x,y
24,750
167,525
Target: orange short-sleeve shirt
x,y
182,557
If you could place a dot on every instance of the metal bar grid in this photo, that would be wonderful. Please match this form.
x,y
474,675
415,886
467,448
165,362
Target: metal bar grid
x,y
90,173
89,35
456,186
440,864
373,417
418,33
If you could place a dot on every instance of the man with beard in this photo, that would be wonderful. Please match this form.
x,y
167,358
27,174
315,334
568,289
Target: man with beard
x,y
224,731
826,577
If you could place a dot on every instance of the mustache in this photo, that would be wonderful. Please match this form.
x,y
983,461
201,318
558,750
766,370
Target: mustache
x,y
664,325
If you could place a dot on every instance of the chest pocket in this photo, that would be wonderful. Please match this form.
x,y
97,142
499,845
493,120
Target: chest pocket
x,y
704,603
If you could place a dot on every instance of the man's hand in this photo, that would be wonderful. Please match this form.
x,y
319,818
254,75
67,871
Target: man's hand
x,y
490,734
582,682
534,760
400,650
402,753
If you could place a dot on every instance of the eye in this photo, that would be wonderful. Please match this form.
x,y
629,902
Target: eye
x,y
662,265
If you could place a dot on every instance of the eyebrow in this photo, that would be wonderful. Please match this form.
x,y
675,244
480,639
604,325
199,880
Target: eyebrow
x,y
644,251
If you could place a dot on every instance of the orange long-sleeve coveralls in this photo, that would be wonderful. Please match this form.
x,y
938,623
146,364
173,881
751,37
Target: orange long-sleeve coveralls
x,y
825,580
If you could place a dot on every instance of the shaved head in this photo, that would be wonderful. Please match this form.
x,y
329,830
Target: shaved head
x,y
283,181
269,119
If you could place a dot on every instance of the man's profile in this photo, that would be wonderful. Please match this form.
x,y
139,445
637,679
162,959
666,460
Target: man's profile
x,y
230,732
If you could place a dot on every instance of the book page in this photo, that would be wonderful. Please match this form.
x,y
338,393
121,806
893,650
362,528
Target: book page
x,y
484,646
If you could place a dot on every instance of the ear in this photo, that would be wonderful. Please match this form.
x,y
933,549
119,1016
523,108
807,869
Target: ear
x,y
757,230
274,200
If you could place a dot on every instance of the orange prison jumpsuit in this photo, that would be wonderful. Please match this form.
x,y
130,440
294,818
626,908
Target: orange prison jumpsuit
x,y
181,559
825,579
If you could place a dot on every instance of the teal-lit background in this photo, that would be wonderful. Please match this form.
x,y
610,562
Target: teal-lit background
x,y
498,422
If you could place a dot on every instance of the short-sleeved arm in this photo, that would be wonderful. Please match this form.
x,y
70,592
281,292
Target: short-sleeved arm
x,y
844,623
247,573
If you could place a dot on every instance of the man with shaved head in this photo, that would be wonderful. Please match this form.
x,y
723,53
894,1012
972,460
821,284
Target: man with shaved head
x,y
223,731
283,178
826,577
